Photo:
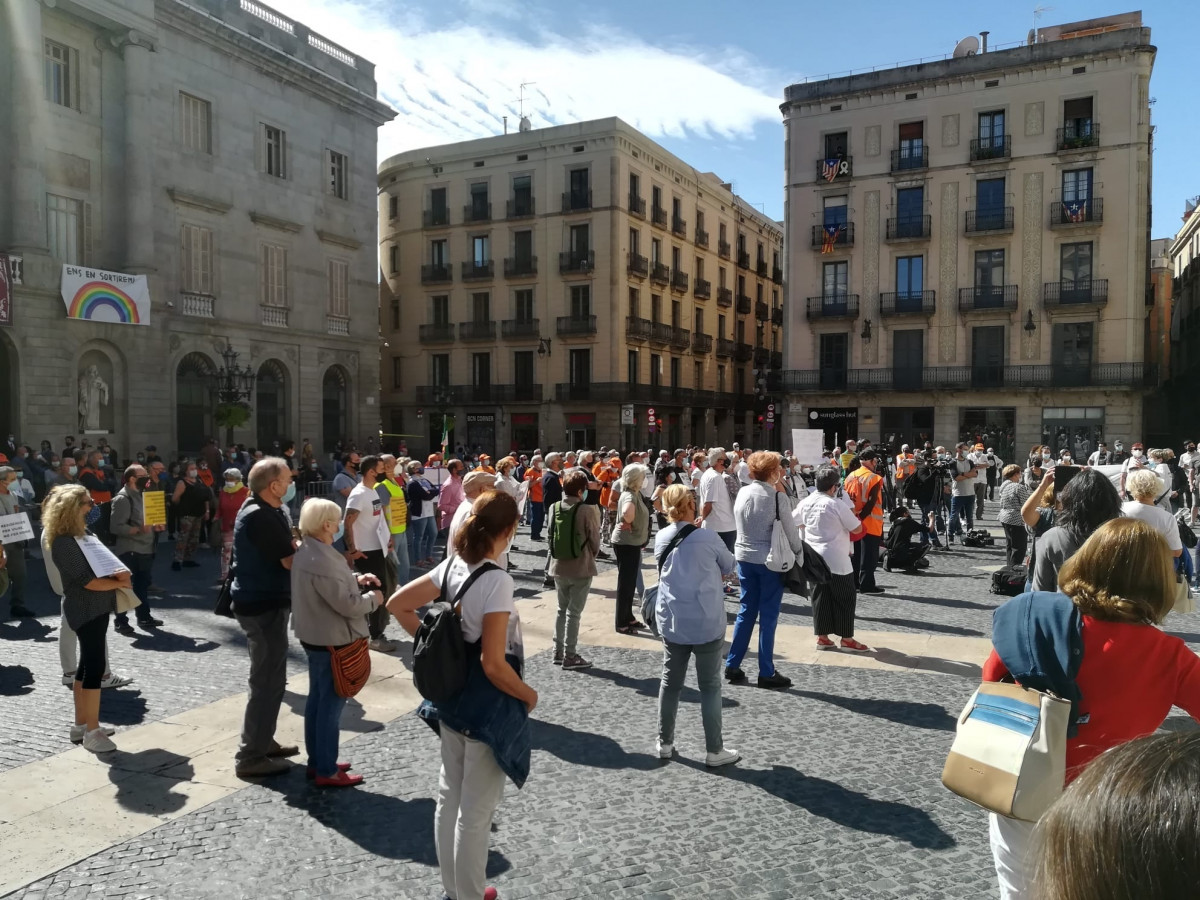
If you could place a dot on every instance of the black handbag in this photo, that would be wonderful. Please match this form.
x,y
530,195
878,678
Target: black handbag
x,y
814,566
1186,535
224,605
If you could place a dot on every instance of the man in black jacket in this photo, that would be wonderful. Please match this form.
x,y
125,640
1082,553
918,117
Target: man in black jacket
x,y
551,494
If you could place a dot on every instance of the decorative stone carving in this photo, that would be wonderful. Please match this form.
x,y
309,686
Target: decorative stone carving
x,y
324,356
292,353
950,130
1035,114
873,140
1031,264
174,342
350,361
870,286
947,317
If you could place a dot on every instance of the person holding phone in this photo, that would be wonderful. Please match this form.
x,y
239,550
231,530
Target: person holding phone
x,y
1088,501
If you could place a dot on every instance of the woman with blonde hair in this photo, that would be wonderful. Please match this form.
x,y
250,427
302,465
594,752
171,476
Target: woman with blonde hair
x,y
1114,590
631,534
330,605
87,603
1146,488
504,479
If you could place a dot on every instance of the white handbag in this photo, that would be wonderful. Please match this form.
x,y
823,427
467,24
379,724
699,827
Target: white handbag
x,y
1184,601
781,558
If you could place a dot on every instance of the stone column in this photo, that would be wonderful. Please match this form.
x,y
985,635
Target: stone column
x,y
139,154
27,126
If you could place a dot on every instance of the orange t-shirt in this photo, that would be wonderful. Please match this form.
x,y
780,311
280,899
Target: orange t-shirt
x,y
534,477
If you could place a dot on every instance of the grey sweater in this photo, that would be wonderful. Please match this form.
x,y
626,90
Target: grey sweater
x,y
127,521
754,511
329,609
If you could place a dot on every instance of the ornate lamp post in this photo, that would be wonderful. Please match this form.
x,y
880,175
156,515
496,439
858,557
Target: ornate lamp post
x,y
232,386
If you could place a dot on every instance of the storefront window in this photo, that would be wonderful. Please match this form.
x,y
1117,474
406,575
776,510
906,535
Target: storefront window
x,y
1074,428
994,427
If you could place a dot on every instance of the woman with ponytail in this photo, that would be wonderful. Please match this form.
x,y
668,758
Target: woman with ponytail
x,y
493,708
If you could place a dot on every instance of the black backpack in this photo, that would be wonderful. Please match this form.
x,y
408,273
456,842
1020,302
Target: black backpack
x,y
1010,581
440,655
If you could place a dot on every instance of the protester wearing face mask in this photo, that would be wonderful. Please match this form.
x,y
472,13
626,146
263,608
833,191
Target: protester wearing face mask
x,y
663,479
421,497
135,544
537,510
1136,461
14,552
233,495
193,501
261,592
962,500
368,541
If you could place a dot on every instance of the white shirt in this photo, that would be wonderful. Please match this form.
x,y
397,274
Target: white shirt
x,y
979,458
492,593
825,523
456,523
1094,459
713,490
370,526
966,487
508,484
743,472
1157,518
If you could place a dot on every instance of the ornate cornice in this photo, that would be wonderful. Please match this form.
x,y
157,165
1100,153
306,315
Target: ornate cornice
x,y
271,222
328,237
209,204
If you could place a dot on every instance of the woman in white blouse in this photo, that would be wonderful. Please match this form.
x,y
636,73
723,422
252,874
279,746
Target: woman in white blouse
x,y
504,477
826,519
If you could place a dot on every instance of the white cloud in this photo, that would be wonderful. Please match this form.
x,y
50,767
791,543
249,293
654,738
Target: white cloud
x,y
455,82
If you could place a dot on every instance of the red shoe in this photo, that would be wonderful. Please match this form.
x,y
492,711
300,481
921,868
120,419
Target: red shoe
x,y
341,779
824,643
311,773
854,646
490,894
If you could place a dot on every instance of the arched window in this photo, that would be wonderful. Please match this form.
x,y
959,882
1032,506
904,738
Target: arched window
x,y
334,407
193,402
271,404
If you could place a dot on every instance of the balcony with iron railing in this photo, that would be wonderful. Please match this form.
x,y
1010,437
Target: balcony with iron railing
x,y
725,297
574,201
679,226
660,273
637,206
637,265
908,228
777,275
777,316
520,328
478,270
724,348
762,312
439,395
842,234
680,337
576,262
436,273
986,149
637,329
658,216
1082,292
702,289
1065,213
907,303
723,249
744,304
702,344
520,266
989,221
1080,136
761,268
477,330
701,237
742,352
569,326
988,297
743,259
520,208
907,159
831,169
436,218
832,306
994,377
436,333
660,333
679,281
477,212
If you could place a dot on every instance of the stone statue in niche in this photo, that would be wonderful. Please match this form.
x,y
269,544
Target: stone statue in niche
x,y
93,394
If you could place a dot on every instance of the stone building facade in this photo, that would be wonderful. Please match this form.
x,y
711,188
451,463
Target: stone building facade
x,y
968,244
228,154
561,287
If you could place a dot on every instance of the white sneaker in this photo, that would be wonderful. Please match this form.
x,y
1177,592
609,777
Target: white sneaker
x,y
78,732
665,751
98,742
68,678
115,681
383,645
722,758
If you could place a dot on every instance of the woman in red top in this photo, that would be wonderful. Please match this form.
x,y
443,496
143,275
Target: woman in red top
x,y
230,500
1121,581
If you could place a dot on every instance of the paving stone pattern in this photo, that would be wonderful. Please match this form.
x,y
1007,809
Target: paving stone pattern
x,y
837,796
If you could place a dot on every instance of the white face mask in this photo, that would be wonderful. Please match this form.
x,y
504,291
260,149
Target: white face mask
x,y
1138,454
512,537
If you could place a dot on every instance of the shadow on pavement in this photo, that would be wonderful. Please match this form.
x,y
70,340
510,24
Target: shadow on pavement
x,y
928,663
953,604
122,706
27,630
169,642
147,793
586,748
15,681
648,687
902,712
924,626
353,716
840,805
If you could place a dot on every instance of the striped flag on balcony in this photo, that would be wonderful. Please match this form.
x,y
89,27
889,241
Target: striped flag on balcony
x,y
829,237
1076,212
831,169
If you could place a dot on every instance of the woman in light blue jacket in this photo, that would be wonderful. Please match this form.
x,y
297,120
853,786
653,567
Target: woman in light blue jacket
x,y
691,619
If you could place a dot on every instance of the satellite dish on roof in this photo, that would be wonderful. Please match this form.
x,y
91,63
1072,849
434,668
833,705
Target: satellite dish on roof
x,y
525,125
968,46
1031,38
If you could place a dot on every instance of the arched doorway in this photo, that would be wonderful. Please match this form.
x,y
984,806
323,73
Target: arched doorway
x,y
193,402
271,403
334,407
9,393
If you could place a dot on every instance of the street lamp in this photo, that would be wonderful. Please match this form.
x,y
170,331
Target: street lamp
x,y
442,398
232,386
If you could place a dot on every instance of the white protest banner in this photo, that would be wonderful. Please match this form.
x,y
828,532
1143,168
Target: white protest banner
x,y
99,557
98,296
15,528
806,446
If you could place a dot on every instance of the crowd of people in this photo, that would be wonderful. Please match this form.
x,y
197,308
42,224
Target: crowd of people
x,y
336,551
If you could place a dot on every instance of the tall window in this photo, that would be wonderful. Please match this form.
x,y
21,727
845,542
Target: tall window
x,y
910,212
991,130
580,183
580,367
580,238
581,301
655,251
439,309
912,145
656,197
655,370
480,208
635,185
439,369
721,327
655,308
834,211
909,277
523,368
836,145
439,254
393,207
481,369
700,221
195,260
834,277
397,372
987,355
274,151
699,321
523,248
438,206
394,259
833,359
523,305
481,306
339,174
395,314
481,253
61,65
721,379
1077,117
676,259
273,275
522,195
635,242
64,229
339,287
675,374
635,302
1077,185
1072,351
698,376
1076,264
631,367
195,121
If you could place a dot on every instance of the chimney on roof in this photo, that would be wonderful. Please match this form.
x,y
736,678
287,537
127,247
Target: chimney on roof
x,y
983,35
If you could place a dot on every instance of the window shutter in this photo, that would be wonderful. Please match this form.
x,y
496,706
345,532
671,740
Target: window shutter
x,y
262,274
185,259
86,235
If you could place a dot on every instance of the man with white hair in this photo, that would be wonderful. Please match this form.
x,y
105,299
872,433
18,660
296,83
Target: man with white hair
x,y
551,494
716,506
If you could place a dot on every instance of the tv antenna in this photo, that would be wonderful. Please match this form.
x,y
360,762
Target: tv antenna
x,y
1037,14
524,85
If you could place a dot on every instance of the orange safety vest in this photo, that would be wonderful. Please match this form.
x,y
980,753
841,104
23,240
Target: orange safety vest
x,y
905,466
97,496
859,485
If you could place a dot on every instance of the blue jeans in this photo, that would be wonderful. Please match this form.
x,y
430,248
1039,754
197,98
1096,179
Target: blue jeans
x,y
139,565
966,506
537,514
400,558
322,714
708,677
762,593
424,534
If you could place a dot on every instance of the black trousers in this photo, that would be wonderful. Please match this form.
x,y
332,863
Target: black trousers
x,y
628,560
833,606
1016,539
375,563
92,661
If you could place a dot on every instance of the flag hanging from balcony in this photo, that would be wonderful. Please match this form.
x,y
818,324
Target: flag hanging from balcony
x,y
832,168
1076,212
445,433
829,237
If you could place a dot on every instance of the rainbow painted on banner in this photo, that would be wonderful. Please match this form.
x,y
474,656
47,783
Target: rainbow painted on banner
x,y
93,300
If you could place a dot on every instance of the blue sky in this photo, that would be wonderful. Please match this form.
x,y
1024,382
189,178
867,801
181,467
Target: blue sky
x,y
453,68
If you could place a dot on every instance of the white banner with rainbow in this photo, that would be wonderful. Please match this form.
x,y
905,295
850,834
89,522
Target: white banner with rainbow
x,y
98,296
